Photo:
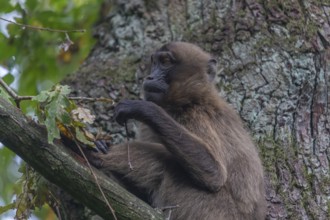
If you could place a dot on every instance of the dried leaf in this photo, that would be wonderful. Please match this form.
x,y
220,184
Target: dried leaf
x,y
83,114
65,45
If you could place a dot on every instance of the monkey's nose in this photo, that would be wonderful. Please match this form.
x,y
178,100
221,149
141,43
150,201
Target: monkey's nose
x,y
149,78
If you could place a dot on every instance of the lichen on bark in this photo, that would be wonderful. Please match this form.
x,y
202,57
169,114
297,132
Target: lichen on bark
x,y
273,68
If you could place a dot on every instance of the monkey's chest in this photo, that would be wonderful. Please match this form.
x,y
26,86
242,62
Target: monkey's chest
x,y
180,198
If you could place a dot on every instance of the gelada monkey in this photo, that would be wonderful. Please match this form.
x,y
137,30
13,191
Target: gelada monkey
x,y
192,151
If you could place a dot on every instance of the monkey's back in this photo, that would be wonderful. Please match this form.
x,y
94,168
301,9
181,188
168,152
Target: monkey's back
x,y
242,196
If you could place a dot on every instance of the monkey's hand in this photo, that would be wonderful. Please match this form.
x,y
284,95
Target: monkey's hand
x,y
101,146
133,109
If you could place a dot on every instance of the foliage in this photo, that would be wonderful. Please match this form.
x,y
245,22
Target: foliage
x,y
62,117
59,114
37,55
36,60
9,174
31,194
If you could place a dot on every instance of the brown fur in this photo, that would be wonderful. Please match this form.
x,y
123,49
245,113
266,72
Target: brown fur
x,y
193,152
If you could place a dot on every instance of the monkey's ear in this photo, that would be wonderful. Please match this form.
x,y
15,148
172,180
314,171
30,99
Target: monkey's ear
x,y
211,69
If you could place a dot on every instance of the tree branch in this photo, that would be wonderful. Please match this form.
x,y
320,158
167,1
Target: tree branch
x,y
18,98
41,28
29,140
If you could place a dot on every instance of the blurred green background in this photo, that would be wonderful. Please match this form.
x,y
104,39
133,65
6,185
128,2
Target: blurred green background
x,y
34,60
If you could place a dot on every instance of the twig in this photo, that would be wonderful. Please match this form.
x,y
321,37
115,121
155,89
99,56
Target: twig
x,y
18,98
91,99
128,152
169,215
95,177
8,89
58,213
56,205
169,207
41,28
12,93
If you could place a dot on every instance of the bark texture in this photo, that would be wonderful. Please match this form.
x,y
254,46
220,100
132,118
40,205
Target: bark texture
x,y
273,68
54,162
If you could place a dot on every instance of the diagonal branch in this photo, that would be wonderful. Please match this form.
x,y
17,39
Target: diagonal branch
x,y
29,140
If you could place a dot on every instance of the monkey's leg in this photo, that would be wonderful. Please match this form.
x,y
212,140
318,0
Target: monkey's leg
x,y
147,160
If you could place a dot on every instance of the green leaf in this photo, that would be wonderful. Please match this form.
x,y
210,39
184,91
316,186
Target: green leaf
x,y
63,89
8,78
65,118
32,4
82,138
9,174
63,102
22,168
56,109
40,114
42,97
52,130
6,6
50,94
52,110
7,57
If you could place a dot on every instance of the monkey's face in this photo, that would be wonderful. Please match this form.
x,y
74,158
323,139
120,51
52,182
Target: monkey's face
x,y
179,72
156,85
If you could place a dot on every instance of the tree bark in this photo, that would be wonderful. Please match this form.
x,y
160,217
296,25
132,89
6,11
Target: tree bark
x,y
54,162
273,68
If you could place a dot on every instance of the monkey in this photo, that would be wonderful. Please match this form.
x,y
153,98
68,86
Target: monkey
x,y
192,151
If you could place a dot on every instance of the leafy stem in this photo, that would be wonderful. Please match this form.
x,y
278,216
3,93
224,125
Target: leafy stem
x,y
18,98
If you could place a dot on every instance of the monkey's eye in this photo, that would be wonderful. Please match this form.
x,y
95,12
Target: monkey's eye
x,y
152,59
165,60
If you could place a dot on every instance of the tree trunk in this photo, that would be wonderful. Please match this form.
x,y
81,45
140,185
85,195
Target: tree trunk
x,y
273,68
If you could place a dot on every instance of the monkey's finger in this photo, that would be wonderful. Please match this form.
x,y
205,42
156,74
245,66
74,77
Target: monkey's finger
x,y
102,146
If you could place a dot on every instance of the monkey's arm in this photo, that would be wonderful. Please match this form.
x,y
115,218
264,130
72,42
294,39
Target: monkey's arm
x,y
189,150
146,160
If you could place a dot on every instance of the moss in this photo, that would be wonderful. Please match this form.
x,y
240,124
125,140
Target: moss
x,y
262,43
309,205
151,5
324,184
297,26
125,72
266,146
275,154
214,20
308,176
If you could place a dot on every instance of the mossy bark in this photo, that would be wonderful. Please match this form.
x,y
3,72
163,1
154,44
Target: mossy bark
x,y
273,68
29,140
